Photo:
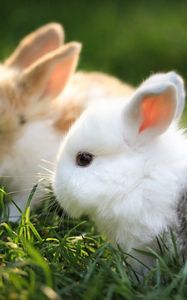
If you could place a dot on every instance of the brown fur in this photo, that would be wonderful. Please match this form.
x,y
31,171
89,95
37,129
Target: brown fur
x,y
80,92
69,113
30,67
11,106
17,104
50,73
110,86
46,39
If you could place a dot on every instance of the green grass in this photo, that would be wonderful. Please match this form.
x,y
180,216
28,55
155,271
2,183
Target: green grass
x,y
50,256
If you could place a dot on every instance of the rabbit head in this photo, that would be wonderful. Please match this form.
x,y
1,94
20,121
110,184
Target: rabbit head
x,y
31,78
122,163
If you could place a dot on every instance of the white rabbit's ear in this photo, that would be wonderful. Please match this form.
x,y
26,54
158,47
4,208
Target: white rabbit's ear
x,y
48,76
152,108
177,80
179,84
47,38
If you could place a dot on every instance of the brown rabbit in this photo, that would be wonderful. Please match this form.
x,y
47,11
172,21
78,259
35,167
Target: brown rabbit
x,y
33,118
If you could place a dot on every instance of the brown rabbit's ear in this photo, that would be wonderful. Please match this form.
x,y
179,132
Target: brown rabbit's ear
x,y
45,39
49,75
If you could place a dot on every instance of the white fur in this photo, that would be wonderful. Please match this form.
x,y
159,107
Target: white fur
x,y
176,80
132,186
39,142
6,73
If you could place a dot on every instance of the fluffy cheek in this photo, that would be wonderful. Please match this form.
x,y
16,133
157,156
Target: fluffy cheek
x,y
70,189
78,190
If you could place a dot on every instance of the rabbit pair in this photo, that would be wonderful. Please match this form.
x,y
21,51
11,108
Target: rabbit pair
x,y
124,164
36,111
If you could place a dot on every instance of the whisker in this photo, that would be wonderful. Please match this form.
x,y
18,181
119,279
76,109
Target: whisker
x,y
43,178
46,169
28,189
47,161
18,176
44,175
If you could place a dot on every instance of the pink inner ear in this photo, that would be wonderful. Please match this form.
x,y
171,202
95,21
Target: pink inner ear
x,y
157,110
59,77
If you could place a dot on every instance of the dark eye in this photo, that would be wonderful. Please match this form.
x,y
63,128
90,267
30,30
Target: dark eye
x,y
83,159
22,120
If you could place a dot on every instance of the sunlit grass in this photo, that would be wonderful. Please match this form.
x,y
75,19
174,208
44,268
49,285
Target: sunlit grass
x,y
45,256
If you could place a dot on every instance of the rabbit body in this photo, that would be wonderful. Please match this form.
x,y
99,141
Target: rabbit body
x,y
40,98
84,89
124,164
25,156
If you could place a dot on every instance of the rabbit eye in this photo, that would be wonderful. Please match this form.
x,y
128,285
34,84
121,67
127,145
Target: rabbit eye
x,y
22,120
83,159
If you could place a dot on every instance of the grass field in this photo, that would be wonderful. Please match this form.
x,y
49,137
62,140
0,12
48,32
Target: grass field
x,y
50,256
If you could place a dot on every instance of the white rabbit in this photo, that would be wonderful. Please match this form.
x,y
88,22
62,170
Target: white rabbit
x,y
124,164
35,109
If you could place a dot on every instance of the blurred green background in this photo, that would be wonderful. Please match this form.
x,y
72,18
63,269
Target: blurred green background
x,y
129,39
